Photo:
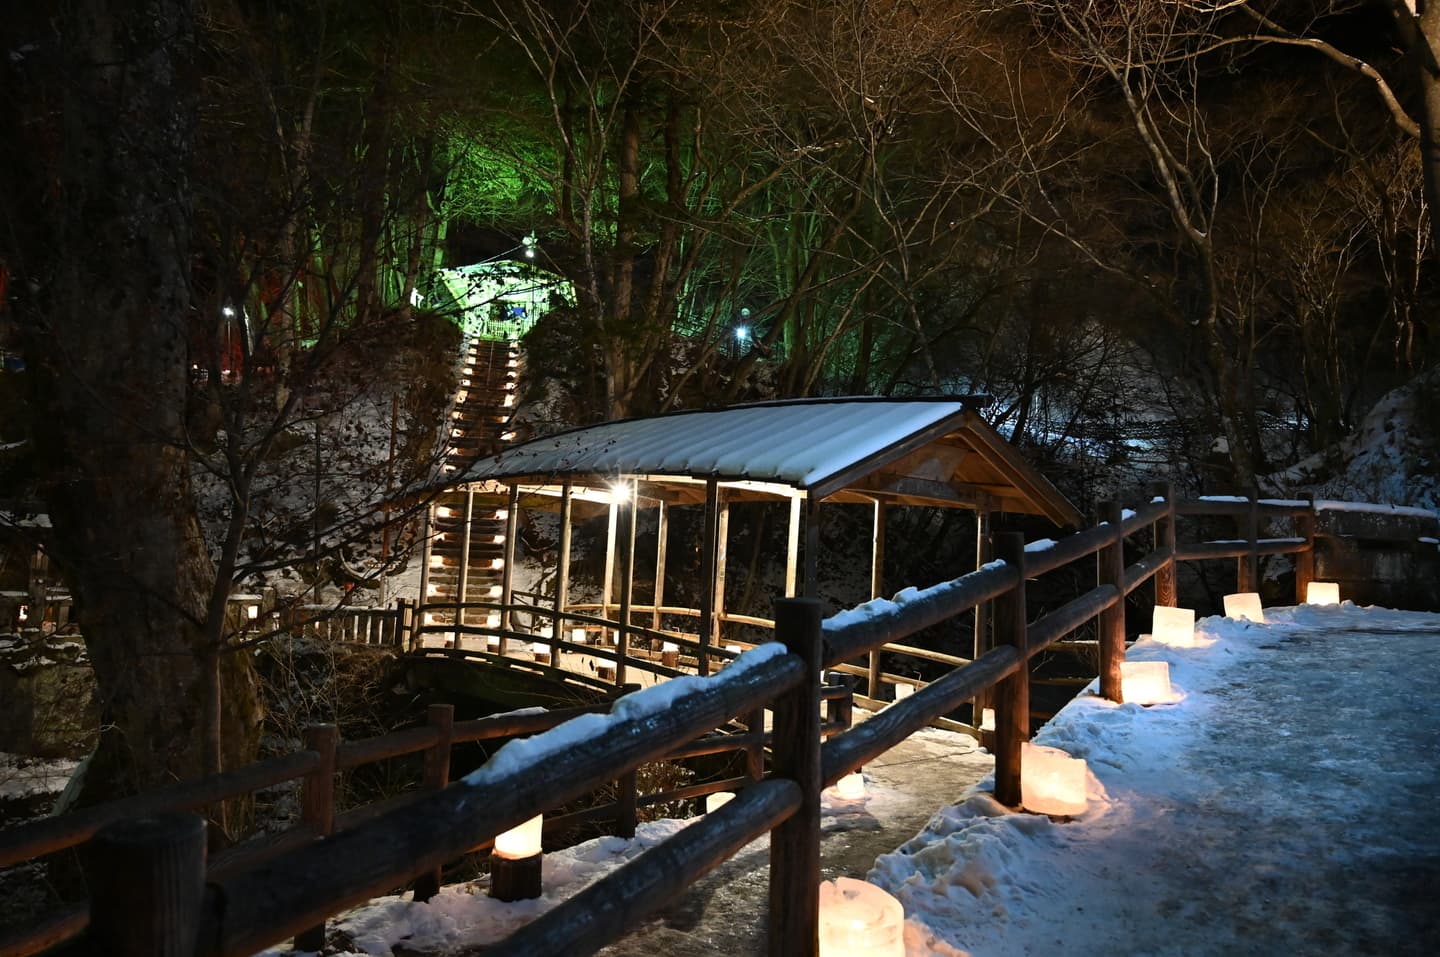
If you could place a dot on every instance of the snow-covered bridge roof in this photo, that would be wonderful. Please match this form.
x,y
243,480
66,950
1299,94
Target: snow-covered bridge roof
x,y
909,451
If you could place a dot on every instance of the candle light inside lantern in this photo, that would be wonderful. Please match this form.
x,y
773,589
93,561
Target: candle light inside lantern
x,y
252,612
1245,606
1322,593
1051,781
1174,626
987,719
718,800
858,919
903,691
492,621
521,841
1145,682
578,636
851,787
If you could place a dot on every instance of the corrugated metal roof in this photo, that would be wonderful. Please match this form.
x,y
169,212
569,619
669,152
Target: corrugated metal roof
x,y
799,443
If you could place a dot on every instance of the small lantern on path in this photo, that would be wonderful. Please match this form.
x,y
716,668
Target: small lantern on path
x,y
1174,626
1051,781
1244,606
1322,593
515,862
858,919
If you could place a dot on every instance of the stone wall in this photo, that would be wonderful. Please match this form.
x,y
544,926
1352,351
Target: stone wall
x,y
1380,555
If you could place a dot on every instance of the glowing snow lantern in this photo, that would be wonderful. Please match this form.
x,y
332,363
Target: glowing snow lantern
x,y
1174,626
492,621
578,636
495,591
1145,682
1322,593
442,512
987,719
903,691
1245,606
670,654
497,563
521,841
507,436
252,612
1051,781
540,650
851,787
502,513
858,919
719,799
499,539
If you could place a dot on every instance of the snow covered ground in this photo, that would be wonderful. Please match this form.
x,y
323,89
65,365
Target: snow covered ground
x,y
1280,806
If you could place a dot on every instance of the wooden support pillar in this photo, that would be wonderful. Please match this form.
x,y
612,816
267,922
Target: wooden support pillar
x,y
877,588
607,584
812,547
1305,558
795,844
627,586
147,886
507,573
722,548
427,537
792,544
1110,570
562,571
1012,696
441,717
464,573
317,807
662,545
980,640
707,575
1164,535
1247,570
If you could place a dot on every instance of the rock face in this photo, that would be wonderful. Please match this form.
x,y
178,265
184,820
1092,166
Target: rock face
x,y
1380,555
47,696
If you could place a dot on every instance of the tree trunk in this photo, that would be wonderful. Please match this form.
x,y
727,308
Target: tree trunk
x,y
107,340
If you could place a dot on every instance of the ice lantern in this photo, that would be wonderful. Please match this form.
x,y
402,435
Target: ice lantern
x,y
1051,782
1244,605
714,802
1174,626
521,841
858,919
851,787
1322,593
1145,682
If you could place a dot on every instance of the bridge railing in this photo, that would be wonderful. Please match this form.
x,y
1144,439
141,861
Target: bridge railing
x,y
291,893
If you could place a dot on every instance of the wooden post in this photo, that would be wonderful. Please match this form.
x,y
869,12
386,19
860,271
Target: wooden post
x,y
722,550
707,576
317,807
441,717
662,544
795,844
980,643
812,547
1247,570
877,588
1012,696
607,585
507,573
562,569
147,886
409,637
1110,566
792,544
463,579
627,588
627,801
427,538
1305,559
755,753
1164,534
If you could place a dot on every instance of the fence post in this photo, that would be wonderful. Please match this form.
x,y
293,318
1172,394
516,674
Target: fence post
x,y
1164,534
1247,571
441,717
755,753
317,808
795,844
1111,568
1012,695
147,885
627,814
1305,558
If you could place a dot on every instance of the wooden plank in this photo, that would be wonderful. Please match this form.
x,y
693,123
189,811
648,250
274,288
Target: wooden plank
x,y
795,844
562,568
46,931
607,584
441,717
1069,616
1150,566
627,590
707,576
1163,537
351,754
462,582
507,573
621,900
792,544
662,547
1069,549
722,555
877,588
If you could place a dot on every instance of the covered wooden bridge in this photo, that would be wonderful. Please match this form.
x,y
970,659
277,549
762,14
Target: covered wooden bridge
x,y
806,455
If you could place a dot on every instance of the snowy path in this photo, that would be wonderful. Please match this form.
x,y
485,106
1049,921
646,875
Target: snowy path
x,y
1283,807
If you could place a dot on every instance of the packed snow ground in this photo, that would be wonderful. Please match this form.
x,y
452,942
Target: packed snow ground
x,y
1280,806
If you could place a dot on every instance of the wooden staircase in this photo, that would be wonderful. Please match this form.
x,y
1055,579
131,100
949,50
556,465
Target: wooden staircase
x,y
465,554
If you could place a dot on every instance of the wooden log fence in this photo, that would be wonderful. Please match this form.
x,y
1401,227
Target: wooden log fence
x,y
337,865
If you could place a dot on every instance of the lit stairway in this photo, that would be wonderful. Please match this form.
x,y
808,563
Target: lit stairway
x,y
479,426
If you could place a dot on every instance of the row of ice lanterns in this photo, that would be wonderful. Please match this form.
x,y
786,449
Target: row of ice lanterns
x,y
1053,782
